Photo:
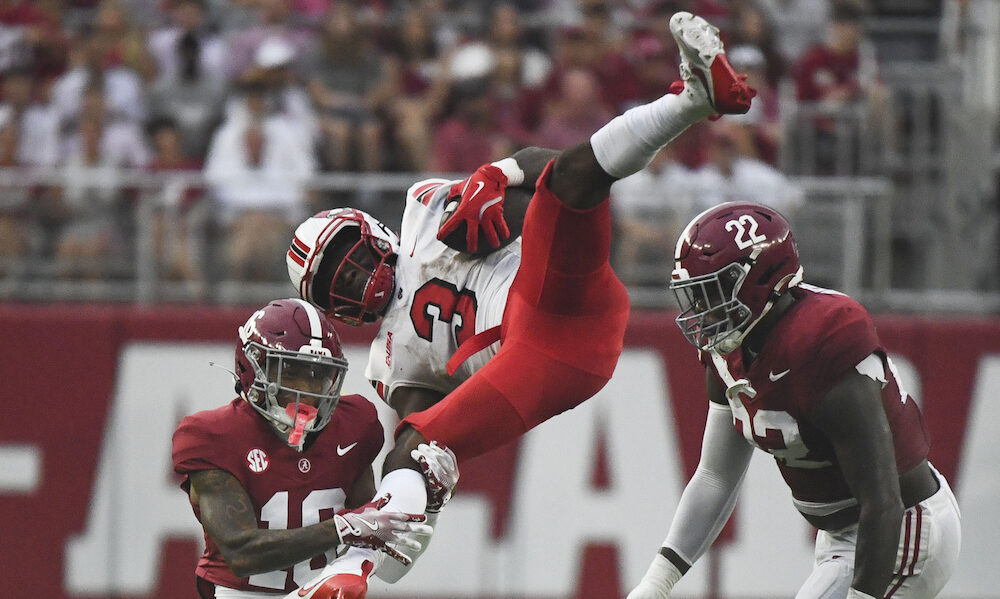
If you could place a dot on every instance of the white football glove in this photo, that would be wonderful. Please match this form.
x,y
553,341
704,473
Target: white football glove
x,y
369,526
659,580
440,468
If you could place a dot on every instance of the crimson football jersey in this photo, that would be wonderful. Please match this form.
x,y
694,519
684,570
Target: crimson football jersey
x,y
288,489
821,338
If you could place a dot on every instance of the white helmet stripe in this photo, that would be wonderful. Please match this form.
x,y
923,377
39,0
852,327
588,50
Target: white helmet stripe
x,y
686,233
315,328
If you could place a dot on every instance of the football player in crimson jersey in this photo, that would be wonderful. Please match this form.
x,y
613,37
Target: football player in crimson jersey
x,y
282,476
473,350
799,372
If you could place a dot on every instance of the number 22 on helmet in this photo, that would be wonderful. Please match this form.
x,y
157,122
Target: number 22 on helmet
x,y
732,262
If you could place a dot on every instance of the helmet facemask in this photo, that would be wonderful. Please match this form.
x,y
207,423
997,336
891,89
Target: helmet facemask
x,y
362,284
296,391
712,317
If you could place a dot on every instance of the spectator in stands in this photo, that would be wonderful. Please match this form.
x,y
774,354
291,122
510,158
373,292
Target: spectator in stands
x,y
33,38
32,127
258,166
592,49
521,69
14,203
180,217
841,75
191,74
733,175
574,112
646,227
348,83
124,43
471,135
654,61
274,62
763,120
92,60
797,24
273,19
187,22
94,240
752,26
420,88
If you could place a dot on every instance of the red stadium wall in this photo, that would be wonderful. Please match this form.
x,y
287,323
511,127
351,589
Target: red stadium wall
x,y
89,507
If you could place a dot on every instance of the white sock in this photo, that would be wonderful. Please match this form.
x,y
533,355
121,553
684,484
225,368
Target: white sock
x,y
409,494
628,143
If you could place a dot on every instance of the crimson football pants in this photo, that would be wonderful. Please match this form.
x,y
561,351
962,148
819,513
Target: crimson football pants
x,y
562,333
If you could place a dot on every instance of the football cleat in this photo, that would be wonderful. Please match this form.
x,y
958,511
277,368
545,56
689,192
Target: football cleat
x,y
703,60
338,586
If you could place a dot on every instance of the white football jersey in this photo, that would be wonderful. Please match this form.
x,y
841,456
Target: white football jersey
x,y
442,297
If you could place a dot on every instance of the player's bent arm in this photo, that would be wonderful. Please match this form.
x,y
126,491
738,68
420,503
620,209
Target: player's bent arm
x,y
409,400
853,418
229,518
532,161
706,503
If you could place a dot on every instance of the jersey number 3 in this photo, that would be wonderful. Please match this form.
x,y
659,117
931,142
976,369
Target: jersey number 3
x,y
440,300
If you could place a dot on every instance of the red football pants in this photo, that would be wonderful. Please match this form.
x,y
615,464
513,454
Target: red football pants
x,y
562,333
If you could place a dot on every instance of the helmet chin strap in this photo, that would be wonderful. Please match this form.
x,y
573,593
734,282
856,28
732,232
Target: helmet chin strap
x,y
301,415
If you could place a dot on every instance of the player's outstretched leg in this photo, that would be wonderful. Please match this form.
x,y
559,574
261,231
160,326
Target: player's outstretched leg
x,y
703,61
582,175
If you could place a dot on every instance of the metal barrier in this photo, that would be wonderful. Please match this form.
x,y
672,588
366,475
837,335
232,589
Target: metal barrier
x,y
844,231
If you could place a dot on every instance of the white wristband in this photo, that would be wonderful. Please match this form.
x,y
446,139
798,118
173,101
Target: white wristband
x,y
853,593
511,169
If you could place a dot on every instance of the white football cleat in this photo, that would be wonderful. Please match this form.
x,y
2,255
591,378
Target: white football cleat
x,y
704,64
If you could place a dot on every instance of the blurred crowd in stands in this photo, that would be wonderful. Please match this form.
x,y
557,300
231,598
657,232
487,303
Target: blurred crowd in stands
x,y
262,95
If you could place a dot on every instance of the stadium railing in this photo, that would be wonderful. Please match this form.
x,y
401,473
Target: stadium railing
x,y
844,230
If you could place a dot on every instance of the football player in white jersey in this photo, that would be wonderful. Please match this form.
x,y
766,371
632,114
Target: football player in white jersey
x,y
475,348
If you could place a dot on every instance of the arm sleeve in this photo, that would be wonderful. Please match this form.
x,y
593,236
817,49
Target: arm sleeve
x,y
710,495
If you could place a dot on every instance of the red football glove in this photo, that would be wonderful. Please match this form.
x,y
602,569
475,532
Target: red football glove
x,y
481,205
368,526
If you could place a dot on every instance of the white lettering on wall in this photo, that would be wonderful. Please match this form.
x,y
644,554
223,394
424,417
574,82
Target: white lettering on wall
x,y
136,504
978,488
20,469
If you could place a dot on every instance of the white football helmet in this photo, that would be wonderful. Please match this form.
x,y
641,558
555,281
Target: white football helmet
x,y
342,260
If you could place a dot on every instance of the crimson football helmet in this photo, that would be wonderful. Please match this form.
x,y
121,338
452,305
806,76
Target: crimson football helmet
x,y
290,367
342,261
731,263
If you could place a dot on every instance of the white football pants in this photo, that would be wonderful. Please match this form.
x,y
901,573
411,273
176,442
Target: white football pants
x,y
929,541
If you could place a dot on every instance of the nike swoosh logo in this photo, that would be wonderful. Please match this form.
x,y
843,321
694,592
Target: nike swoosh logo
x,y
479,187
343,450
371,525
306,590
771,375
492,202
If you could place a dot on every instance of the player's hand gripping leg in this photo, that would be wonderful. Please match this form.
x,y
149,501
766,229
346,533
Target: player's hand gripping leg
x,y
440,468
369,526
